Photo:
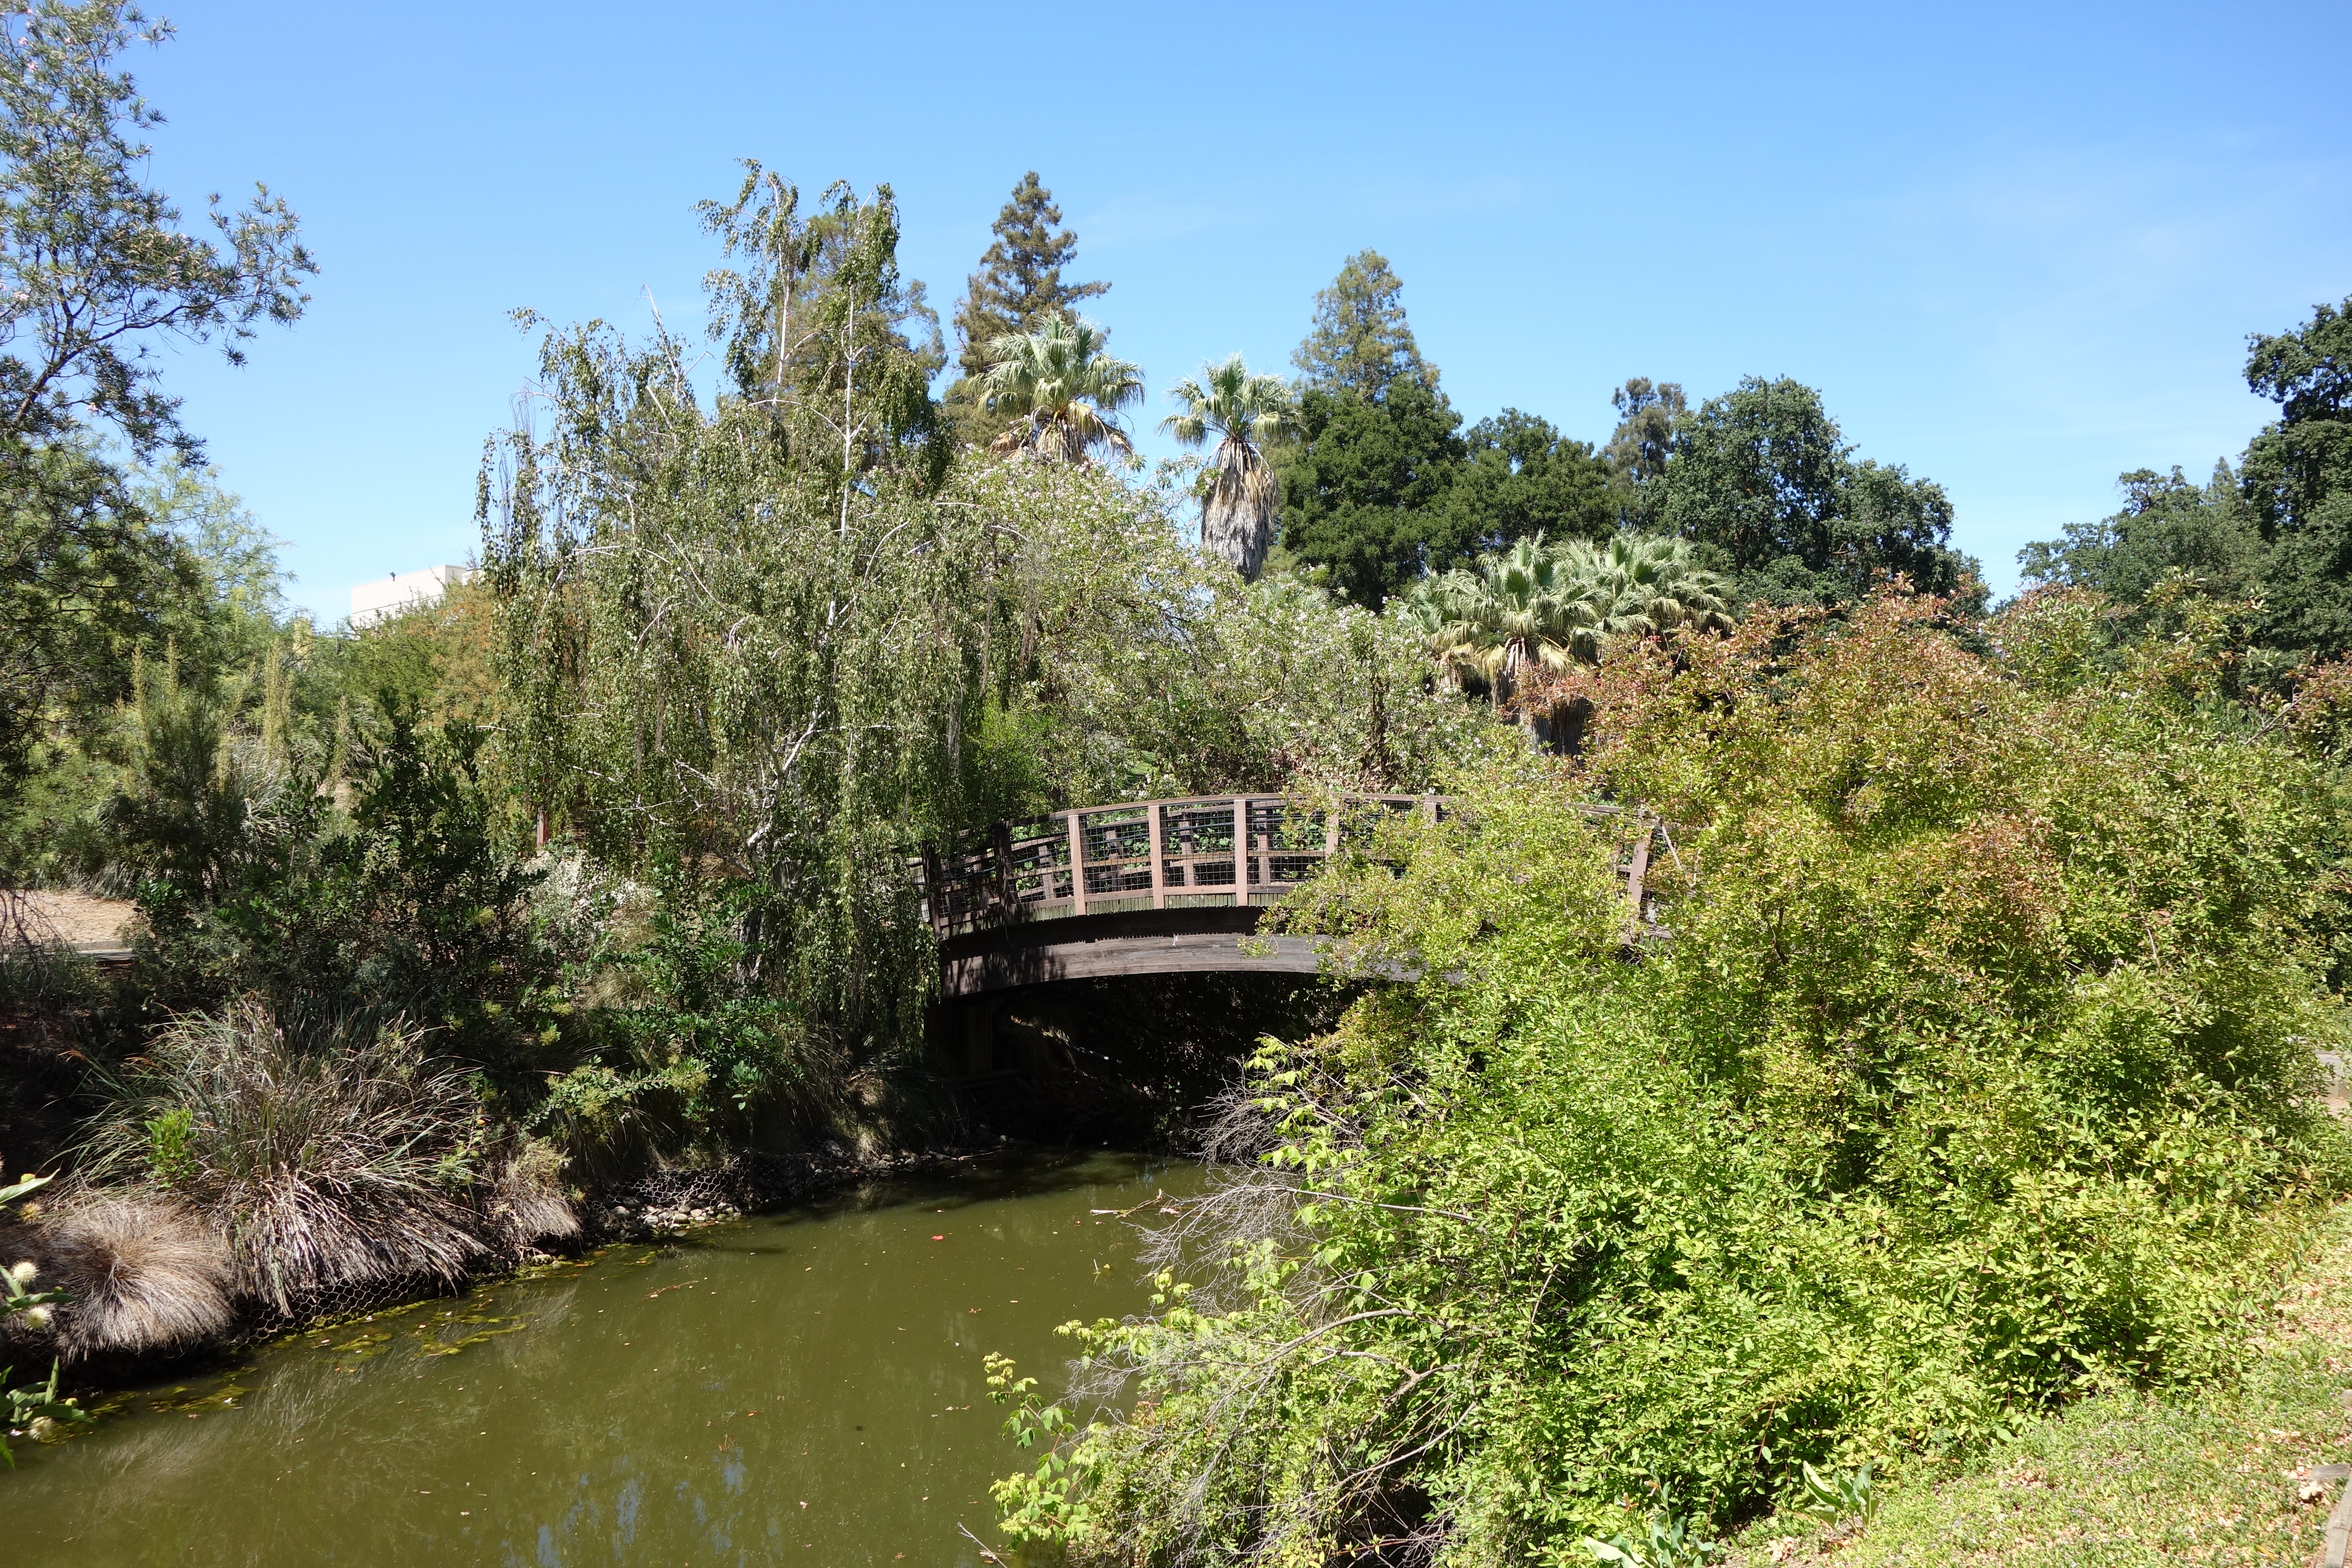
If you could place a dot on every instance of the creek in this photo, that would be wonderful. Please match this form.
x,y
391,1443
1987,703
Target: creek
x,y
802,1388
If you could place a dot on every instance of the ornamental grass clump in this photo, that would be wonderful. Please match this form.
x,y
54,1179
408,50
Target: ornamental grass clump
x,y
335,1170
141,1274
1977,1073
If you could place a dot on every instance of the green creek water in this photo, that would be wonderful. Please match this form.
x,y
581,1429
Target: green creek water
x,y
802,1389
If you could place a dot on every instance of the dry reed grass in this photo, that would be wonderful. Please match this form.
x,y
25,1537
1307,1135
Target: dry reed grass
x,y
526,1206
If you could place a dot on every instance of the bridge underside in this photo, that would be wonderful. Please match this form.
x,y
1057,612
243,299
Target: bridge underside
x,y
1143,942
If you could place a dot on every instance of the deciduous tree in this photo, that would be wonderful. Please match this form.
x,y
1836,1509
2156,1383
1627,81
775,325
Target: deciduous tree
x,y
1763,477
96,275
1522,478
2167,523
1643,443
819,328
2297,475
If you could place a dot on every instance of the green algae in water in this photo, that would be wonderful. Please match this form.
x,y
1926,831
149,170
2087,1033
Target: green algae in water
x,y
802,1389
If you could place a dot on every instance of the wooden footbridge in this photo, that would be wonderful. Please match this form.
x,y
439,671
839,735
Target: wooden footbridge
x,y
1147,887
1151,887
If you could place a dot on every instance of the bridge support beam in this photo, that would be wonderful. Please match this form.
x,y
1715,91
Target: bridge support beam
x,y
1164,942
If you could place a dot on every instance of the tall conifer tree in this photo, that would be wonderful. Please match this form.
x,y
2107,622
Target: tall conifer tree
x,y
1365,484
1361,341
1016,289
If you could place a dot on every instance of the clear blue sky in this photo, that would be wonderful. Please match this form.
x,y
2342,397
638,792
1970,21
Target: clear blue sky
x,y
2017,247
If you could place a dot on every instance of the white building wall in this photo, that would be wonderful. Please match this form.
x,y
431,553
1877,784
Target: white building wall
x,y
388,596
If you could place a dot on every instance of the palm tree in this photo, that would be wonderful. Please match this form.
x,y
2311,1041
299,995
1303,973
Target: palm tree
x,y
1445,611
1532,605
1640,585
1245,411
1529,612
1509,612
1061,389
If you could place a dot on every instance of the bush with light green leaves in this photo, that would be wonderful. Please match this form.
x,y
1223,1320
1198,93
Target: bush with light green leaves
x,y
1976,1073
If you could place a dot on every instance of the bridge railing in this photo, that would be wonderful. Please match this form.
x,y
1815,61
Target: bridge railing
x,y
1191,851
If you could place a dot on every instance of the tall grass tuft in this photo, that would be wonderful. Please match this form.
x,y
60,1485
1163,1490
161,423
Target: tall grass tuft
x,y
525,1206
141,1273
334,1172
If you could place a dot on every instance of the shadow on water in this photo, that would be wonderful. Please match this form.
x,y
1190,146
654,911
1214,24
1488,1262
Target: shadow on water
x,y
797,1388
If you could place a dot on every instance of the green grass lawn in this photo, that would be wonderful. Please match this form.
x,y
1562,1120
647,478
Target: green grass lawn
x,y
2206,1476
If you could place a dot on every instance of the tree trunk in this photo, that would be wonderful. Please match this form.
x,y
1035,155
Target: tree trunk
x,y
1237,515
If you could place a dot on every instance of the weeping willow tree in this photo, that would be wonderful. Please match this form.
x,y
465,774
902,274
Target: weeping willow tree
x,y
746,638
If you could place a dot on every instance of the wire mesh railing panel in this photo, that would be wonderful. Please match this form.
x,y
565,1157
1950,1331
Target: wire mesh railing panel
x,y
1196,844
1040,865
1117,844
1118,877
964,888
1122,833
1196,874
1189,827
1276,826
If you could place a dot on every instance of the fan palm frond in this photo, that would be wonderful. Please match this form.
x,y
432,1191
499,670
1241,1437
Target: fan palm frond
x,y
1059,390
1229,401
1244,411
1535,606
1643,584
1447,612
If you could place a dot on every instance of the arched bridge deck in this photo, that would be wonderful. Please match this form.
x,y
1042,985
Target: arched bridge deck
x,y
1151,887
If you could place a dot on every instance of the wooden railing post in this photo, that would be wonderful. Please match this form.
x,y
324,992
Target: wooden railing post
x,y
1008,898
1077,865
1240,850
1158,867
1636,873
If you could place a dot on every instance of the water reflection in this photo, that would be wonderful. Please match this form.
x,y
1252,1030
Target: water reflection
x,y
802,1389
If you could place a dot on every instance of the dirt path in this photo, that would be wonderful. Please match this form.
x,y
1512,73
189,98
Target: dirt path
x,y
78,919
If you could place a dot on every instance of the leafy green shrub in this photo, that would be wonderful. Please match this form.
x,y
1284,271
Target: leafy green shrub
x,y
1977,1073
684,1041
411,905
171,1146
